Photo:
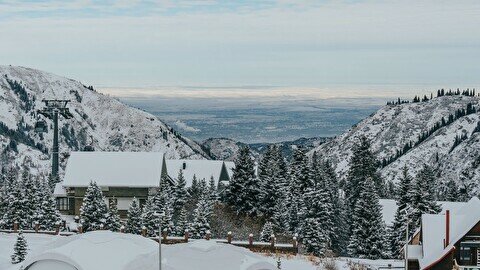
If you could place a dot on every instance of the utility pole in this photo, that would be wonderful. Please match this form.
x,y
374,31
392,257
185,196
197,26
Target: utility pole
x,y
406,237
52,109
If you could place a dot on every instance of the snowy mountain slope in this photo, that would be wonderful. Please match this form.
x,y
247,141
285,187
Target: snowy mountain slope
x,y
222,148
391,127
110,124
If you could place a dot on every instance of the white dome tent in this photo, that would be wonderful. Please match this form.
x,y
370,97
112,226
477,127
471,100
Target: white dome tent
x,y
105,250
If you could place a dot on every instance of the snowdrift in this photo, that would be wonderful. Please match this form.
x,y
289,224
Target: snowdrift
x,y
101,250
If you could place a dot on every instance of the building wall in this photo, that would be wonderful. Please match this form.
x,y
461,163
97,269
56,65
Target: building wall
x,y
124,196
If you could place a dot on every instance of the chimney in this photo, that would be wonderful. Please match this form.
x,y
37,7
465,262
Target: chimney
x,y
184,165
447,228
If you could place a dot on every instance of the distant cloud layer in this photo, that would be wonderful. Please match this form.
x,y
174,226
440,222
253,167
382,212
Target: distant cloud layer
x,y
229,43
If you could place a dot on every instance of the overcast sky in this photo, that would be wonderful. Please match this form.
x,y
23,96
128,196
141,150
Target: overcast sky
x,y
249,43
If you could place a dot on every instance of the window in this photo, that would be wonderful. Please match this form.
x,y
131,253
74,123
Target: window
x,y
62,204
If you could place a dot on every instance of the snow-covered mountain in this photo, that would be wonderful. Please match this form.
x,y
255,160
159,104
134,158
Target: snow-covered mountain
x,y
429,140
97,119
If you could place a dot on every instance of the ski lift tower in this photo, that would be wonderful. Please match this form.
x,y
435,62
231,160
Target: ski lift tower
x,y
53,108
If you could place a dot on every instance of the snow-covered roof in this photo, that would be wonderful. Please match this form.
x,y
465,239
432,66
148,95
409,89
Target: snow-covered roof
x,y
415,252
121,251
389,207
114,169
59,190
202,169
462,220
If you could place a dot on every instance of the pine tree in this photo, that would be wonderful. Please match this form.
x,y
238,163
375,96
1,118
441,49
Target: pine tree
x,y
19,249
404,202
134,218
195,190
15,207
243,191
201,218
151,215
367,239
212,191
423,196
31,200
182,223
112,221
452,191
271,177
266,232
280,217
313,239
93,212
180,194
47,215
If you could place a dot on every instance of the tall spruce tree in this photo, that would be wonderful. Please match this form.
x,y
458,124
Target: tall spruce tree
x,y
267,180
134,218
180,194
47,213
404,203
151,215
201,218
182,223
267,231
367,239
423,196
243,191
94,211
15,210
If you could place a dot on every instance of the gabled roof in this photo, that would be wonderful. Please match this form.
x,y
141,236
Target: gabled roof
x,y
433,229
389,207
202,169
114,169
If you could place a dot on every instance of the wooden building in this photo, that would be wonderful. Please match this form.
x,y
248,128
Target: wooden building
x,y
447,241
123,176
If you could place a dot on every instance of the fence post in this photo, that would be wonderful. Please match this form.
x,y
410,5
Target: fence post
x,y
208,235
15,226
80,228
250,239
186,235
272,241
101,226
229,237
122,229
164,235
294,241
144,231
37,226
57,228
64,223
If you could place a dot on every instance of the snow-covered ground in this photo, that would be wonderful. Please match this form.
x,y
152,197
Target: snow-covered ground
x,y
38,242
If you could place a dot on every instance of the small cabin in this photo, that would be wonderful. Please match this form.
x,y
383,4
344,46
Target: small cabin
x,y
450,240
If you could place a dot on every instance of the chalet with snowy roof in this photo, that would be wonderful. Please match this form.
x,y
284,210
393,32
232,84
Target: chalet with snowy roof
x,y
220,171
123,176
450,240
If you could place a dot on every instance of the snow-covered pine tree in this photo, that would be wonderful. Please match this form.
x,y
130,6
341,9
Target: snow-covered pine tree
x,y
280,217
318,212
201,217
300,174
112,222
15,206
212,191
182,223
93,211
269,180
363,165
47,215
19,249
151,215
32,200
452,191
423,196
404,201
180,194
134,218
367,239
194,190
267,231
243,191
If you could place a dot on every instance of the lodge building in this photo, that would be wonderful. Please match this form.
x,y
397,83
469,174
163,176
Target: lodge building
x,y
447,241
123,176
